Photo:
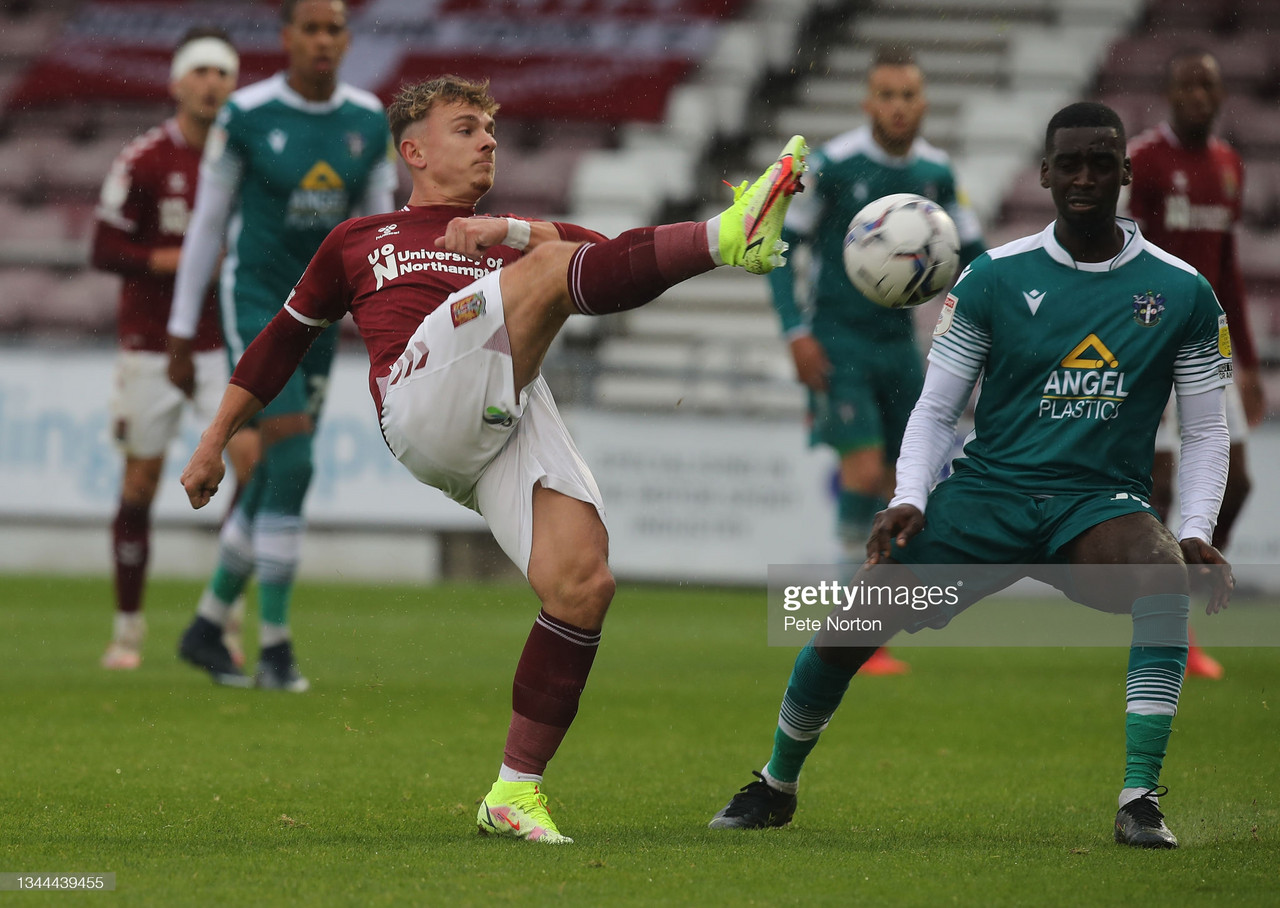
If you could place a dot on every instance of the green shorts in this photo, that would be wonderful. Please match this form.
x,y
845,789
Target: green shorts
x,y
972,521
869,397
306,388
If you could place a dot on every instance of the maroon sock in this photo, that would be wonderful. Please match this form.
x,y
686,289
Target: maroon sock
x,y
131,547
549,680
636,266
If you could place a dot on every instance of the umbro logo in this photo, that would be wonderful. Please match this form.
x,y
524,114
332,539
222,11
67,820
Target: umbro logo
x,y
1034,298
277,139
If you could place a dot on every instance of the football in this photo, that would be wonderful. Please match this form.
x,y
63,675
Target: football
x,y
901,250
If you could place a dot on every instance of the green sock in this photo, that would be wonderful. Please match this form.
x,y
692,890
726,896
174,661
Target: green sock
x,y
855,512
1157,661
227,584
814,691
273,602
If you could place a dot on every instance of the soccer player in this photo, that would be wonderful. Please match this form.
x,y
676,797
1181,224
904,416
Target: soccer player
x,y
141,218
1077,335
858,360
457,312
289,158
1186,196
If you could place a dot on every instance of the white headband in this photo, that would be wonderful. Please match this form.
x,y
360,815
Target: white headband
x,y
204,52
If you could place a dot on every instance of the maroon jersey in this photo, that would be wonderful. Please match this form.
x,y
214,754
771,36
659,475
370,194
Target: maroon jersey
x,y
1187,201
145,204
387,271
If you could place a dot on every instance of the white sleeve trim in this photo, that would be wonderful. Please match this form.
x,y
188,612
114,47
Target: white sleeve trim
x,y
1202,466
930,434
307,319
201,248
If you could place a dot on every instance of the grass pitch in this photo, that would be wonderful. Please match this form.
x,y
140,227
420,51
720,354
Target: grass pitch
x,y
986,777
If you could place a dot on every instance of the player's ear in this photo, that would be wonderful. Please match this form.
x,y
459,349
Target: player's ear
x,y
1126,174
1044,173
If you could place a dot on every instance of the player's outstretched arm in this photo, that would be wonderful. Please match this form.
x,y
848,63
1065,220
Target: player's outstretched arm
x,y
1206,563
897,525
472,236
205,469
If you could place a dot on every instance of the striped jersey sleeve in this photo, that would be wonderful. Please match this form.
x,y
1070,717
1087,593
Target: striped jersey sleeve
x,y
962,338
1203,361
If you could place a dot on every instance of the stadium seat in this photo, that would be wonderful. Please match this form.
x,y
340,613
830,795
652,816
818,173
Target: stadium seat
x,y
1260,256
1253,126
23,294
1261,201
84,303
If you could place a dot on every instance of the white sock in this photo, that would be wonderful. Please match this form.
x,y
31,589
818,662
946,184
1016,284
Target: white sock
x,y
1132,794
784,787
213,608
129,628
271,634
713,239
507,774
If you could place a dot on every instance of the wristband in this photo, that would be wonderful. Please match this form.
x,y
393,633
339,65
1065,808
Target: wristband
x,y
518,233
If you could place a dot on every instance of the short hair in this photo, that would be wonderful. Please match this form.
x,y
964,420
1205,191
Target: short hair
x,y
287,8
1188,52
413,102
893,55
1083,114
203,31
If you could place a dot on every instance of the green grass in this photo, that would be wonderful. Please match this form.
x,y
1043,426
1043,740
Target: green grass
x,y
986,777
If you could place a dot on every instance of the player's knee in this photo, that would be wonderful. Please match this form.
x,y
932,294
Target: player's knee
x,y
580,593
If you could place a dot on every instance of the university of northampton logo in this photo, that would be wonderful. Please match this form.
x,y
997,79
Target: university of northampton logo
x,y
467,308
1148,308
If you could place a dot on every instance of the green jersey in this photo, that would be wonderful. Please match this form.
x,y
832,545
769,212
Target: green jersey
x,y
844,175
299,169
1077,360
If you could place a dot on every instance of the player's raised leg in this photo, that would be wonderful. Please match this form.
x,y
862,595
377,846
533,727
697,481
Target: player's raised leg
x,y
557,280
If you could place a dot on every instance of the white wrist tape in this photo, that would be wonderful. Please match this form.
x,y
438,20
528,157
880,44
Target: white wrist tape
x,y
518,233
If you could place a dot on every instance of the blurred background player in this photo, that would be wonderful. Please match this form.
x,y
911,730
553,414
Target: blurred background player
x,y
1186,195
860,361
142,215
289,159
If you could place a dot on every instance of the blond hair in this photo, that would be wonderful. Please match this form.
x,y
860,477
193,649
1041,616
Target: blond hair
x,y
413,102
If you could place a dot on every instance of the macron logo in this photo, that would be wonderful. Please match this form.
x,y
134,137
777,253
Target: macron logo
x,y
1034,298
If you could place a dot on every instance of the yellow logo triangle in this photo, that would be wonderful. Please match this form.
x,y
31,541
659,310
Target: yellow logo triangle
x,y
321,176
1075,358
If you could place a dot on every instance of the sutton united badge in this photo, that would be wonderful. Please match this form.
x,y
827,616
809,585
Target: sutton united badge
x,y
1148,308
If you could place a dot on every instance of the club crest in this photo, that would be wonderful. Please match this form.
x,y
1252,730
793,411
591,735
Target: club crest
x,y
1148,308
467,308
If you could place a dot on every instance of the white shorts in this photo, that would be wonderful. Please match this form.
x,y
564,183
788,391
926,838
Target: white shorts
x,y
1167,438
451,416
146,408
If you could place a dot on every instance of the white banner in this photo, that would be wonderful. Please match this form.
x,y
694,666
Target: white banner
x,y
707,499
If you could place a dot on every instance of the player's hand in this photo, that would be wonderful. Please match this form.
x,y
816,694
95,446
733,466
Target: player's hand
x,y
1249,383
472,236
182,368
1205,563
896,524
812,365
203,474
